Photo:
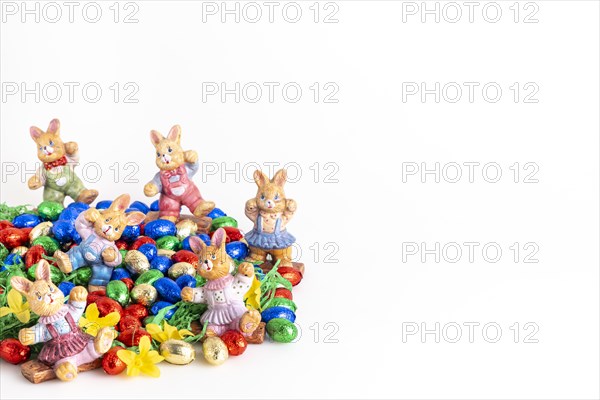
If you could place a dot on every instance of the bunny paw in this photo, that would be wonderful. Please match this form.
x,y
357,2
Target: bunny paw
x,y
204,208
249,321
104,340
87,196
66,372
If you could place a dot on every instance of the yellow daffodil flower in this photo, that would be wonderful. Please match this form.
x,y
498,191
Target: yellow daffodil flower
x,y
142,362
252,297
92,322
16,306
169,332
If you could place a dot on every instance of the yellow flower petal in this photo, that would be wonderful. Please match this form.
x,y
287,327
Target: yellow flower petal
x,y
92,312
23,316
170,331
185,332
155,331
153,357
151,370
132,370
144,345
4,311
15,300
127,356
110,320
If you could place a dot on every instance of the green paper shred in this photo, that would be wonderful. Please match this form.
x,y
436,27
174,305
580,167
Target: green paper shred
x,y
9,213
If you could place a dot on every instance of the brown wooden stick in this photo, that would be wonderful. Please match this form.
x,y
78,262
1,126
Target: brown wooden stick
x,y
38,372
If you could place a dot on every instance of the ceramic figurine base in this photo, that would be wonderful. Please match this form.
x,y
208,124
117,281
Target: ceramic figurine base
x,y
202,222
37,372
267,266
256,338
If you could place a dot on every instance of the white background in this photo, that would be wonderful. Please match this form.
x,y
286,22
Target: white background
x,y
370,294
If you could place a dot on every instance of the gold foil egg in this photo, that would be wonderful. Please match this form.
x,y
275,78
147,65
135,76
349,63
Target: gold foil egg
x,y
42,229
186,228
136,262
215,351
144,294
21,250
177,352
165,252
180,269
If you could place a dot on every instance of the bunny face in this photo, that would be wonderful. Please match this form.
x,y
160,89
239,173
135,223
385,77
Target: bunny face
x,y
49,145
214,261
169,154
270,196
44,297
113,220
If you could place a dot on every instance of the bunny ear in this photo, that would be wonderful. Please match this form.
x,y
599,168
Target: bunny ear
x,y
135,218
197,245
35,133
155,137
121,203
280,177
42,271
175,134
219,238
20,284
260,178
54,126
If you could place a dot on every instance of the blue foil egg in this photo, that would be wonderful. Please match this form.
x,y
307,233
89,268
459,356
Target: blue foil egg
x,y
159,228
216,213
104,204
186,281
66,287
63,231
139,206
26,221
119,273
13,259
149,250
278,312
161,263
131,232
168,290
154,206
69,214
79,206
237,250
159,305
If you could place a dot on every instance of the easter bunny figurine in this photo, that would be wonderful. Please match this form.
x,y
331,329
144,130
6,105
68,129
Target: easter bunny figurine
x,y
174,181
270,211
223,292
99,230
57,175
66,346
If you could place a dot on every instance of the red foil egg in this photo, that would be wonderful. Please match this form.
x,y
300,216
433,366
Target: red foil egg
x,y
95,295
111,363
236,342
284,293
5,224
129,322
121,244
132,336
185,256
34,255
14,237
12,351
107,305
291,274
129,283
137,310
233,234
140,241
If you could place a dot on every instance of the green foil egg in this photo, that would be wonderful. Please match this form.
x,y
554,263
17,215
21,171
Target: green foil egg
x,y
282,302
168,243
281,330
49,244
222,222
149,277
81,276
50,210
117,290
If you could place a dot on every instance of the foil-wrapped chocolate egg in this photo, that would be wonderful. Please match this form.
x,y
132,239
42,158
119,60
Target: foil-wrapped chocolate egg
x,y
159,228
177,352
186,228
117,290
144,294
180,269
168,290
215,351
136,262
149,277
50,210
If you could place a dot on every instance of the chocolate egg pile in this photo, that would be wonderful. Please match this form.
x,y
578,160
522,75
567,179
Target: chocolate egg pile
x,y
157,263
